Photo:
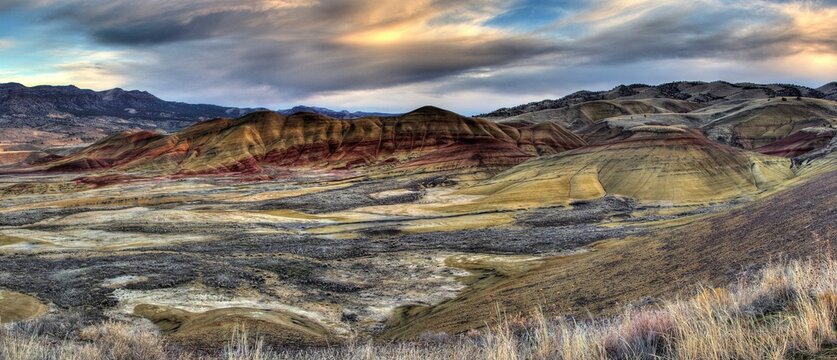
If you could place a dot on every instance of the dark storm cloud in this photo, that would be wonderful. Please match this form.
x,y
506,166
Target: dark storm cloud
x,y
302,69
166,30
152,22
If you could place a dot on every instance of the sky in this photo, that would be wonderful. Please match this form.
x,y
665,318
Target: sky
x,y
470,56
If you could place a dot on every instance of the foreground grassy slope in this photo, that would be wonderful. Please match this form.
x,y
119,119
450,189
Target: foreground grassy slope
x,y
784,311
794,223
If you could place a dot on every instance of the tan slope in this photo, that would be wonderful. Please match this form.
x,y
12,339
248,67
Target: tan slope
x,y
800,142
747,124
817,162
216,327
15,306
109,150
655,163
16,155
13,158
428,137
577,116
712,251
618,128
755,123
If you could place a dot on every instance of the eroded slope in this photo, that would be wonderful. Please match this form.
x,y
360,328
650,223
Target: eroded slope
x,y
655,163
580,115
429,137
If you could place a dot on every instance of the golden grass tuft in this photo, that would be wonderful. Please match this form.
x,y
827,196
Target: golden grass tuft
x,y
121,341
109,340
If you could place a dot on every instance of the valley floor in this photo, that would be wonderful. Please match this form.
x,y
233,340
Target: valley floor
x,y
312,260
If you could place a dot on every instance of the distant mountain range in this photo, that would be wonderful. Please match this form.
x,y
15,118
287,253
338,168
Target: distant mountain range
x,y
342,114
21,105
68,115
693,91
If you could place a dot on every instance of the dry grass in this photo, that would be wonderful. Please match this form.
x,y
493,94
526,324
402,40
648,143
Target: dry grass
x,y
787,310
110,340
665,263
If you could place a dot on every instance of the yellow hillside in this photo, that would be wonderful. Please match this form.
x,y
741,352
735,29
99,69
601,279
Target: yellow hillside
x,y
656,164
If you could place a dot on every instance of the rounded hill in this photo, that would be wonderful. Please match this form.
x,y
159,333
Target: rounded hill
x,y
429,137
655,163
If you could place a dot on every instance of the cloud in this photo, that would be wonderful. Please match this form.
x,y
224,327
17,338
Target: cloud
x,y
151,22
640,30
304,47
6,43
272,52
299,69
86,69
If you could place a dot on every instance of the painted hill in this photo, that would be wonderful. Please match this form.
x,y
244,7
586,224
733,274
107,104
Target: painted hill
x,y
654,163
800,142
747,124
580,115
819,161
428,137
692,91
755,123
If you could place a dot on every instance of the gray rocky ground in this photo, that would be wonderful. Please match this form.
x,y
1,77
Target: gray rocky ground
x,y
200,244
